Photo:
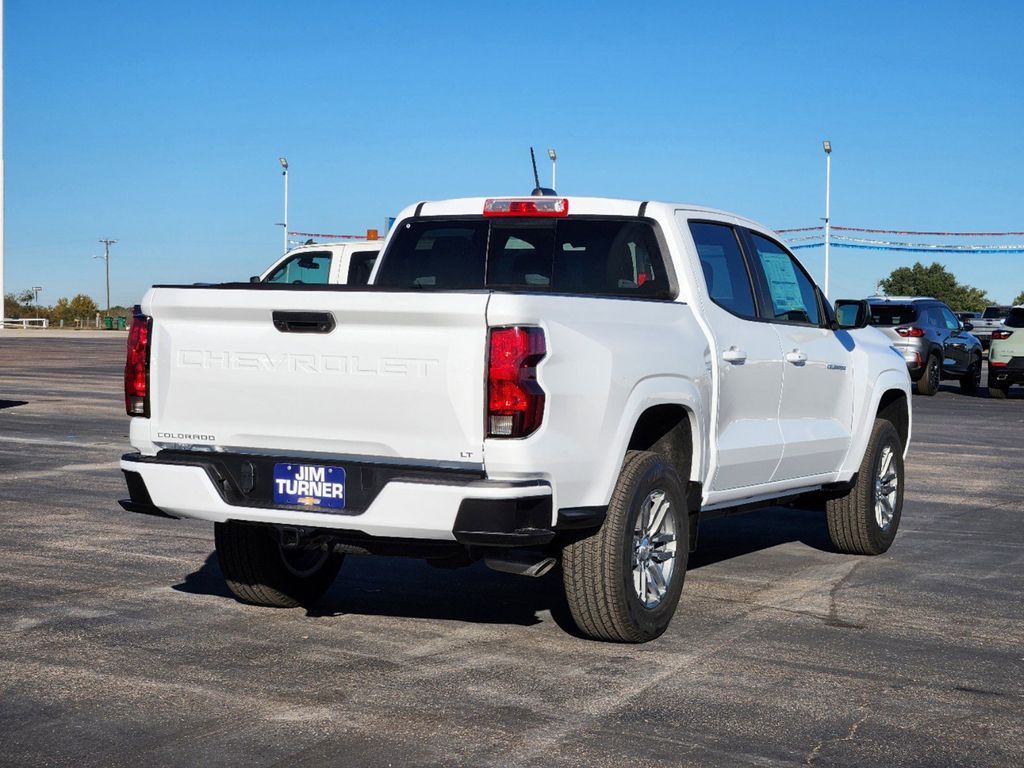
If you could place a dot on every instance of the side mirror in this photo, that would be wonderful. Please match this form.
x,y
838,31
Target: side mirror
x,y
852,313
254,279
968,326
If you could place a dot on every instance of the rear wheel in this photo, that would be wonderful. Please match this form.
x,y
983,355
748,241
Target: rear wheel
x,y
971,380
928,384
865,519
260,571
623,582
997,390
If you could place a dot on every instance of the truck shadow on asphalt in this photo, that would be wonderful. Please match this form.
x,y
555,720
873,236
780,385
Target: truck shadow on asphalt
x,y
12,403
407,588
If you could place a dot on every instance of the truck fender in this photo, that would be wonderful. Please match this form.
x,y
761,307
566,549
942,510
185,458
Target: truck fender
x,y
885,382
649,392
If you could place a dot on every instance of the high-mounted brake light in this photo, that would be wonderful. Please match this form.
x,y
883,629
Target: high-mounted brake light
x,y
136,366
527,206
913,331
515,401
1001,335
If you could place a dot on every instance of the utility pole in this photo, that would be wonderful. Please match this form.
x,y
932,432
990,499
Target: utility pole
x,y
1,164
106,258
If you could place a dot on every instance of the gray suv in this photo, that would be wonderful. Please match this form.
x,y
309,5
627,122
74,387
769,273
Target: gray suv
x,y
935,344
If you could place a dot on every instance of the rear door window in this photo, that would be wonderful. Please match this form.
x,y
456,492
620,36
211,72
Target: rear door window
x,y
725,271
309,267
360,265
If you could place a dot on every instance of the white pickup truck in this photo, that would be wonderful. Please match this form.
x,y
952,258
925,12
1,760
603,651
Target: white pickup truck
x,y
527,382
318,263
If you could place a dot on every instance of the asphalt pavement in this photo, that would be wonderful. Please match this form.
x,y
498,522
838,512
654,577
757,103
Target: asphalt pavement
x,y
121,645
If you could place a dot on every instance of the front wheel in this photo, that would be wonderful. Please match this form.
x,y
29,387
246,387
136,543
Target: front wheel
x,y
623,582
928,384
971,380
864,520
260,571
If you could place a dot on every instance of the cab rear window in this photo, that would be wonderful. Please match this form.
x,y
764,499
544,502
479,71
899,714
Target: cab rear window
x,y
590,256
893,314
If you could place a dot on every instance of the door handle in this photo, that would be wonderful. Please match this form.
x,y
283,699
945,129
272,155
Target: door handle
x,y
303,322
796,357
734,355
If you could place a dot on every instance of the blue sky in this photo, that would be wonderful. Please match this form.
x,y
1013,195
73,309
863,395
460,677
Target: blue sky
x,y
160,125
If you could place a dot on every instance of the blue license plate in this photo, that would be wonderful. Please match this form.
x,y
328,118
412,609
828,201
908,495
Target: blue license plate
x,y
310,485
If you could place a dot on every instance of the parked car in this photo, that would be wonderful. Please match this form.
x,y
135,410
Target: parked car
x,y
935,344
322,263
527,381
967,317
1006,354
990,319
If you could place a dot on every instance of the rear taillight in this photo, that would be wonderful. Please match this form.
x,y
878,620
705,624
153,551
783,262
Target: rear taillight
x,y
136,366
529,206
515,401
1001,335
912,332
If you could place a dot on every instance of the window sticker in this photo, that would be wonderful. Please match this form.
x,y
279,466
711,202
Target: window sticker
x,y
782,283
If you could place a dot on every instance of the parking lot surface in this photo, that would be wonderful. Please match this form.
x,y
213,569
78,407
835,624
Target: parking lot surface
x,y
122,646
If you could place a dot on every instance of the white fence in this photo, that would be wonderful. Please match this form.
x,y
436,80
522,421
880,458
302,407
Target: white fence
x,y
26,322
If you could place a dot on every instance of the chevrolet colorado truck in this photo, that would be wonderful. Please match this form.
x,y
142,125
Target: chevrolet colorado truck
x,y
529,382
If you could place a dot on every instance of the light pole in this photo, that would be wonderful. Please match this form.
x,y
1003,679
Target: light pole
x,y
284,172
106,259
827,146
554,159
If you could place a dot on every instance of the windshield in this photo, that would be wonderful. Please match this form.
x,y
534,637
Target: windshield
x,y
995,313
1015,319
578,255
892,314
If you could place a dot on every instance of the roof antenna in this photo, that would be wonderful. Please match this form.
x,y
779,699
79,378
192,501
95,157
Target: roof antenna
x,y
538,190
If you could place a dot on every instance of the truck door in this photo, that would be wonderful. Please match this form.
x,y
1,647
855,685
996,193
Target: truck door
x,y
749,364
816,408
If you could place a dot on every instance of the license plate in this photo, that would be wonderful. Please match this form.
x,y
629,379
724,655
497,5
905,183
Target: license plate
x,y
310,485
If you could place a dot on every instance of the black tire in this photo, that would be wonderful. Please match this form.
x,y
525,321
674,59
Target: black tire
x,y
971,381
852,523
996,390
928,384
598,571
259,571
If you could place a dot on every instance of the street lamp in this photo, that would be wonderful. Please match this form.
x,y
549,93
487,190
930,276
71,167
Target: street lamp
x,y
827,146
554,158
284,172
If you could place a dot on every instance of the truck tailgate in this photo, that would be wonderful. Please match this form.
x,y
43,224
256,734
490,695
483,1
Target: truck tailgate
x,y
401,375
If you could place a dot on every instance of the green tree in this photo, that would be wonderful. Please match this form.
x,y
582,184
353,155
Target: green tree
x,y
81,307
1019,300
936,281
19,304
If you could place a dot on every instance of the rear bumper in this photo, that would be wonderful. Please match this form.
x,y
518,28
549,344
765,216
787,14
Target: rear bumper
x,y
406,503
1012,372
